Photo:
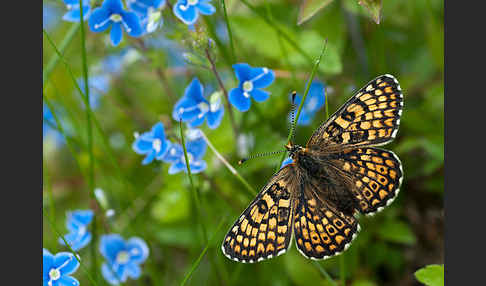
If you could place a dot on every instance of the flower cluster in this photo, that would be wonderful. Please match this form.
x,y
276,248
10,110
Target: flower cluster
x,y
155,146
313,102
77,223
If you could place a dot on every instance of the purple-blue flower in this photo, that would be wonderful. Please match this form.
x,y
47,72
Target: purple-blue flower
x,y
251,80
287,161
149,12
194,108
188,10
195,146
313,102
56,269
74,13
111,14
152,144
77,223
123,258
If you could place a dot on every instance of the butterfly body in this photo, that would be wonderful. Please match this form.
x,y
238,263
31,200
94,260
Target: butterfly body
x,y
337,175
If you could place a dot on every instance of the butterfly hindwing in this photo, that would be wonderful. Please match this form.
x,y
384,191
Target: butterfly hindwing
x,y
371,117
376,173
264,229
320,230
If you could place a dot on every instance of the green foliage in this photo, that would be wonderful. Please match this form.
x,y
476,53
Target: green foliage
x,y
431,275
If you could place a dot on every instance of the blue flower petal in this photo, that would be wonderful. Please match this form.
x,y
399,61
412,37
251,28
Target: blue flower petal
x,y
133,270
68,280
47,263
66,261
138,249
109,275
116,34
173,154
197,148
110,245
265,77
158,131
185,109
214,118
242,71
71,16
98,20
150,157
188,16
305,118
195,91
82,216
141,146
259,95
115,6
238,100
198,166
205,8
133,23
197,121
177,167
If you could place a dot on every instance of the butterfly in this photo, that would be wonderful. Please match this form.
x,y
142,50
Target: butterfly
x,y
339,174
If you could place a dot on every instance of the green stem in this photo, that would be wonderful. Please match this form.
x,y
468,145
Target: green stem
x,y
324,273
309,82
342,269
230,34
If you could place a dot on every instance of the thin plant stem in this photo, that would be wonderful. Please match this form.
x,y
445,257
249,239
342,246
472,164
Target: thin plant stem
x,y
203,252
230,34
228,165
313,73
342,270
225,92
324,273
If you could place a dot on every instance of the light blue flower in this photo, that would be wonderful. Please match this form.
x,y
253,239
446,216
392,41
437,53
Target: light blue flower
x,y
195,152
114,64
74,13
194,108
251,80
188,10
152,143
149,12
56,269
313,102
50,16
98,85
111,14
287,161
77,223
123,258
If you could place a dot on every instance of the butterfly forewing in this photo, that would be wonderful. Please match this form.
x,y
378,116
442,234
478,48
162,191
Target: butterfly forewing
x,y
376,175
320,230
371,117
264,229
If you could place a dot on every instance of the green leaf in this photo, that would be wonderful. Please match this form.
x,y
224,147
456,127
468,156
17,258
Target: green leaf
x,y
374,9
397,231
309,8
431,275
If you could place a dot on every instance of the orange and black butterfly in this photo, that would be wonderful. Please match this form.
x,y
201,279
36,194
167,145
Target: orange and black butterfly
x,y
337,175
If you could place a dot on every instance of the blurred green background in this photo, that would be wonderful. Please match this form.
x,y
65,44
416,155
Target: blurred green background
x,y
158,207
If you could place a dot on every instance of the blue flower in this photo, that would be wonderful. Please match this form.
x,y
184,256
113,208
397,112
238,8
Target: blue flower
x,y
50,16
313,102
77,223
149,12
123,258
152,143
74,13
195,152
56,269
113,64
111,13
47,127
188,10
193,108
251,81
98,85
287,161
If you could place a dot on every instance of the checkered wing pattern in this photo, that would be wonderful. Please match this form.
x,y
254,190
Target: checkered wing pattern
x,y
264,229
371,117
376,175
320,230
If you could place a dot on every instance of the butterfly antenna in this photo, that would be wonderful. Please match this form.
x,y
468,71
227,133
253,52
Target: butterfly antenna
x,y
259,155
292,125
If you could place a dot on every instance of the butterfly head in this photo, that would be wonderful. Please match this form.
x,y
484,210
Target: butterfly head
x,y
293,149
